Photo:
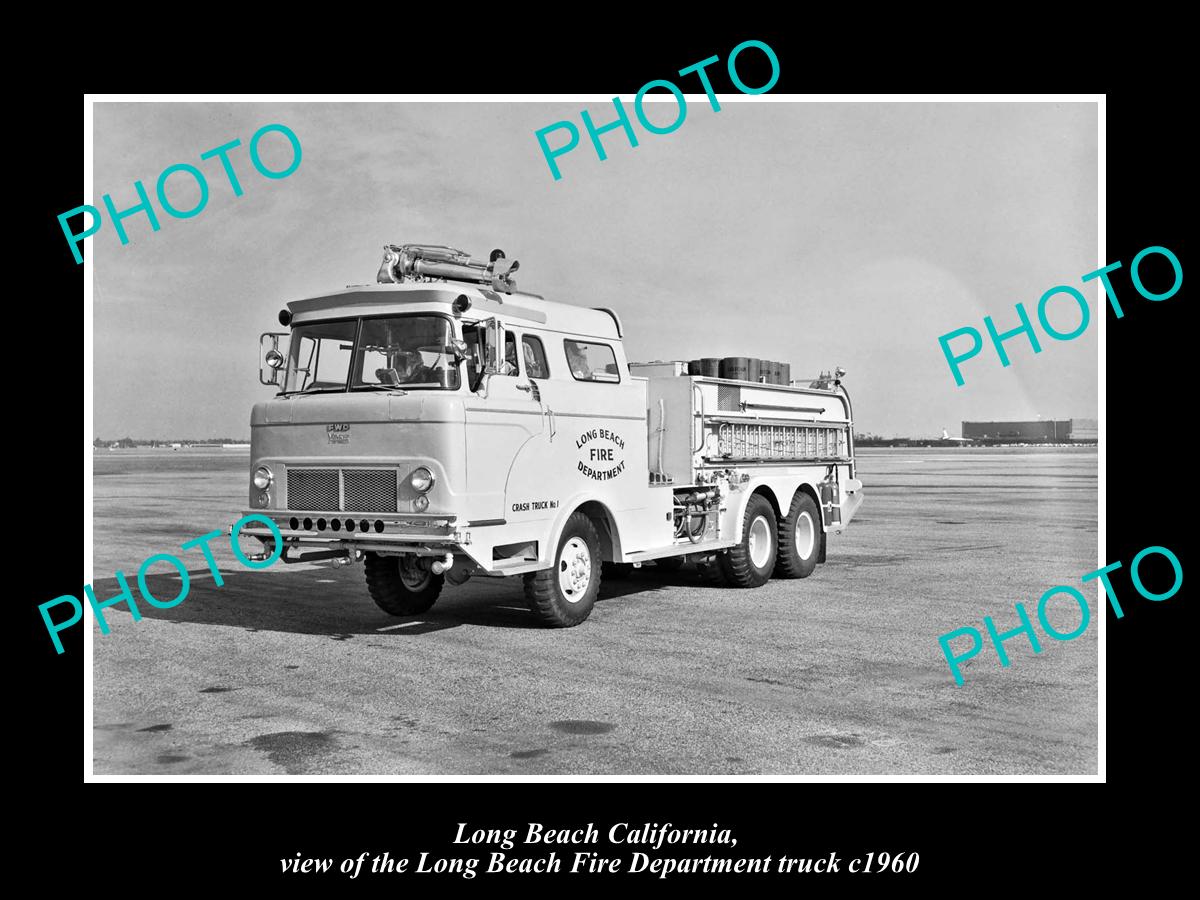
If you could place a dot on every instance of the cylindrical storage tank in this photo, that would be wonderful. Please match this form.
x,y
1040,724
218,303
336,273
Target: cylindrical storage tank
x,y
754,369
776,372
785,373
710,367
735,367
696,367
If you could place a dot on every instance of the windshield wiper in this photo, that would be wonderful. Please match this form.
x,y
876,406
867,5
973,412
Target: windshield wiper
x,y
328,390
380,387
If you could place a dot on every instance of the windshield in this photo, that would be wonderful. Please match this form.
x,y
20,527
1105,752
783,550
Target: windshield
x,y
319,357
403,352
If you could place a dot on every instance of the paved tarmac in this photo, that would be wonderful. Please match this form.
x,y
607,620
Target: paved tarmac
x,y
294,669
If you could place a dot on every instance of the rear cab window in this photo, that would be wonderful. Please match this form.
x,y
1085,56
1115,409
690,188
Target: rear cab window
x,y
591,361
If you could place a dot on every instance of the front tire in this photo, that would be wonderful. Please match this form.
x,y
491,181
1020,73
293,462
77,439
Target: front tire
x,y
563,595
399,585
799,538
751,562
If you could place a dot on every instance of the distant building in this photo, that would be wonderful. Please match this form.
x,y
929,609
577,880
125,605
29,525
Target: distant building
x,y
1084,430
1042,431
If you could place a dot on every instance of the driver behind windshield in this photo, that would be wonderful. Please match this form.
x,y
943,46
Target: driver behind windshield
x,y
407,368
412,369
404,351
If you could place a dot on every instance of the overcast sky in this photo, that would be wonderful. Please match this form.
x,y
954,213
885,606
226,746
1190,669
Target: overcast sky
x,y
818,234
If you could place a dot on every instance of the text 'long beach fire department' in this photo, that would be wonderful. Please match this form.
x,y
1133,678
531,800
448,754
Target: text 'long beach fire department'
x,y
441,424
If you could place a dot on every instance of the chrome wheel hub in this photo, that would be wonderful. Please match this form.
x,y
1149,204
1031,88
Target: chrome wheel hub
x,y
574,569
760,542
806,535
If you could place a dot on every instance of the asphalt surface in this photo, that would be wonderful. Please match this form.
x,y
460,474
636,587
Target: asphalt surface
x,y
294,670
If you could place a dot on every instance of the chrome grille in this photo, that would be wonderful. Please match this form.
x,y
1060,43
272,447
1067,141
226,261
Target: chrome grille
x,y
313,489
369,490
341,490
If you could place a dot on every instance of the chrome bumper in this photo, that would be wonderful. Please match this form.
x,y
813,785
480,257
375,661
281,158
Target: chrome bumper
x,y
386,531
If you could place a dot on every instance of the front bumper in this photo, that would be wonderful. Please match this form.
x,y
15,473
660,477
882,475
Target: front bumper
x,y
423,535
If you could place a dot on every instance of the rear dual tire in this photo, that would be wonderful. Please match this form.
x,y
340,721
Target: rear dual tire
x,y
751,562
800,539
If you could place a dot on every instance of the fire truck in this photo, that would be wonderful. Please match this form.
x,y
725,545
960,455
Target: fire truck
x,y
440,425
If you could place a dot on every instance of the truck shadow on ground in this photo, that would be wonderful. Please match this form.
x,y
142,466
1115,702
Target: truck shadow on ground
x,y
336,603
651,577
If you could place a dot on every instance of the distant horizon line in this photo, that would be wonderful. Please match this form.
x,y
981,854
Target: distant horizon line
x,y
212,440
858,435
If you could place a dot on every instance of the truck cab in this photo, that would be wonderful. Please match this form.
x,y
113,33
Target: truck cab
x,y
441,424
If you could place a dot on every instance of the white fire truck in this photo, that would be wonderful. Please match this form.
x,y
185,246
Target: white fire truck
x,y
440,424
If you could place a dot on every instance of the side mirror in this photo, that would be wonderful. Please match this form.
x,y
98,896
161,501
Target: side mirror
x,y
495,347
491,350
492,334
271,358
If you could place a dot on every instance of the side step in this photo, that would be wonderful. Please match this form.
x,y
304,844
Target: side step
x,y
513,566
678,550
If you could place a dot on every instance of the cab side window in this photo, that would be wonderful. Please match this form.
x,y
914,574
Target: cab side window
x,y
471,337
480,355
591,361
510,352
477,356
535,357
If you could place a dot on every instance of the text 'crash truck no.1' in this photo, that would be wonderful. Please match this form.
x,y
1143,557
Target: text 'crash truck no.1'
x,y
442,424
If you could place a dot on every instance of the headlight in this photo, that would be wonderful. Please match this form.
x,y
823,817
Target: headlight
x,y
421,480
265,499
263,478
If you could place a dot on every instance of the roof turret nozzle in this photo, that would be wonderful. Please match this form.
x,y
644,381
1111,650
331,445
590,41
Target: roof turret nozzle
x,y
427,262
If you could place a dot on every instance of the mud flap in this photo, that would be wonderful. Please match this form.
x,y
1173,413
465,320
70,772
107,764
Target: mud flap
x,y
821,555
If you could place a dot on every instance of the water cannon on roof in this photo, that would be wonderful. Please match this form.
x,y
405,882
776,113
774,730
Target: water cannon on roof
x,y
427,262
